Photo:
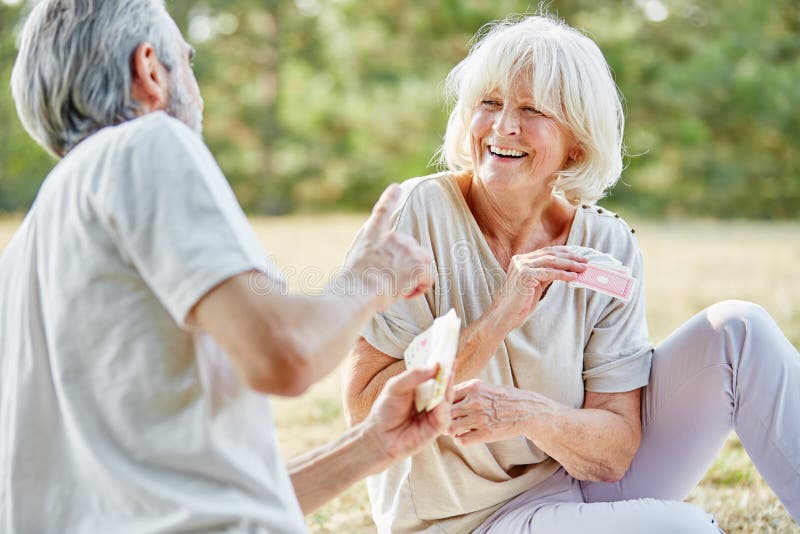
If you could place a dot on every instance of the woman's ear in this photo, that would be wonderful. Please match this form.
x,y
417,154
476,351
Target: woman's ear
x,y
149,85
575,153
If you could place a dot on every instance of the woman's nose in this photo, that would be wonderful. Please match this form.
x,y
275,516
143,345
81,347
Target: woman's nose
x,y
507,122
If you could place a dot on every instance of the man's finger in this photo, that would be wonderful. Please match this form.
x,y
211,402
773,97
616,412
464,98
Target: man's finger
x,y
450,392
439,417
406,381
378,221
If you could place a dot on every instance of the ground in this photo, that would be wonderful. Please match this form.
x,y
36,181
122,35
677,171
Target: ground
x,y
688,265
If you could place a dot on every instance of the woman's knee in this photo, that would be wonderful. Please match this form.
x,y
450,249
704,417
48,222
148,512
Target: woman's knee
x,y
716,335
737,315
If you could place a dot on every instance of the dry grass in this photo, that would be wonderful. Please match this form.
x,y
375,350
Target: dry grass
x,y
688,266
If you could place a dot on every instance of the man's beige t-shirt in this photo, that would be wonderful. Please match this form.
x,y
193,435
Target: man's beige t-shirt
x,y
574,340
116,416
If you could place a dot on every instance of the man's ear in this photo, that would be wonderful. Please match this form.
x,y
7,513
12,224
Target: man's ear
x,y
149,84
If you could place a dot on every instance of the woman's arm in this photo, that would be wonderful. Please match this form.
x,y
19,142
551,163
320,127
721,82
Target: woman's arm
x,y
595,442
367,369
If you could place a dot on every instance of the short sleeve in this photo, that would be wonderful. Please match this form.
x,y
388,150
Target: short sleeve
x,y
618,354
392,330
175,217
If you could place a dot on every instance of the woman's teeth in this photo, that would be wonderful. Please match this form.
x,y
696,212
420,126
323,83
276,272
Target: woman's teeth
x,y
506,152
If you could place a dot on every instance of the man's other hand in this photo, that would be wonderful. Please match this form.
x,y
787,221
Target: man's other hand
x,y
394,424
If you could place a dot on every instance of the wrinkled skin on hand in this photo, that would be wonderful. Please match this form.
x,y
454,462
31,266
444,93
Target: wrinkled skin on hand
x,y
484,413
527,278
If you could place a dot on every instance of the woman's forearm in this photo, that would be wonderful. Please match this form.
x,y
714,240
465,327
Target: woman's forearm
x,y
591,444
477,345
358,401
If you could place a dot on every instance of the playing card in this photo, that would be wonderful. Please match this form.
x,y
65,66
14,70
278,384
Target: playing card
x,y
624,269
607,281
437,344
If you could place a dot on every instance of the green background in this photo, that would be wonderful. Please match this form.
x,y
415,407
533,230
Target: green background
x,y
316,105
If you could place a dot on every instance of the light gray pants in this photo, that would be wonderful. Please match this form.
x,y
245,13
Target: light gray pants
x,y
728,368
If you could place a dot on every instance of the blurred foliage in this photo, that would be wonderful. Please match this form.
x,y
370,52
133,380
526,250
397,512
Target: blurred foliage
x,y
318,104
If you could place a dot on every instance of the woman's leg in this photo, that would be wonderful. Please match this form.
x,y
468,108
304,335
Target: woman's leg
x,y
729,367
556,507
626,517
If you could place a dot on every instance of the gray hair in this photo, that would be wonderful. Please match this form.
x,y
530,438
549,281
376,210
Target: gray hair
x,y
569,80
72,75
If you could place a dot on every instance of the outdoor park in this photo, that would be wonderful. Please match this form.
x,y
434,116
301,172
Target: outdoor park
x,y
313,107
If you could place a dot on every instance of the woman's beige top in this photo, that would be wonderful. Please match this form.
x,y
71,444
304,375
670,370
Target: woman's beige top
x,y
574,340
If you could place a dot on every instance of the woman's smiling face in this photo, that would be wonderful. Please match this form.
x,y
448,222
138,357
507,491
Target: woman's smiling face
x,y
514,145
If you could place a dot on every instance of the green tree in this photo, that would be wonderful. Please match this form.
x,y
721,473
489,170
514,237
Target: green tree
x,y
318,104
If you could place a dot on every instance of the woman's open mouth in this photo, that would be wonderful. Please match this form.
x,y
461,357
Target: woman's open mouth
x,y
506,152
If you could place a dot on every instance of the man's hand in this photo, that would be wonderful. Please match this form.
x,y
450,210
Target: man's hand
x,y
394,424
385,262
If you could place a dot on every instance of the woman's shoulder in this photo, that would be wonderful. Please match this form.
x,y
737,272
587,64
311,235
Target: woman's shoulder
x,y
438,183
428,194
607,230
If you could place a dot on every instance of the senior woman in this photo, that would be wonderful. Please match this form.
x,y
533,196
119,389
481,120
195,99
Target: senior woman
x,y
566,420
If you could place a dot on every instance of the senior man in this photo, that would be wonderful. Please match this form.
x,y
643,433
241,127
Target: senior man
x,y
141,323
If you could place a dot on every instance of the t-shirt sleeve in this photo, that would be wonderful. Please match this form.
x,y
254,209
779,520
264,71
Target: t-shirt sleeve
x,y
392,330
618,354
175,218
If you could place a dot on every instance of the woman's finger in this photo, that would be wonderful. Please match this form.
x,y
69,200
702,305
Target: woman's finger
x,y
460,410
462,389
474,436
463,424
545,275
555,262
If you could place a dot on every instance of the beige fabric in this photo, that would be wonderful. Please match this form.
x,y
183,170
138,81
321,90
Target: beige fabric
x,y
574,340
115,416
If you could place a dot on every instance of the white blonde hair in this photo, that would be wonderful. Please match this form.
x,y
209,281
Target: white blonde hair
x,y
72,75
569,81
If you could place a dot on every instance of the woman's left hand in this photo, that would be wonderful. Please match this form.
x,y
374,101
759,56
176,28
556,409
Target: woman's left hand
x,y
484,413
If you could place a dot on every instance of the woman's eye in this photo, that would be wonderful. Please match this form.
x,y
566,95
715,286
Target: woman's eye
x,y
533,110
491,104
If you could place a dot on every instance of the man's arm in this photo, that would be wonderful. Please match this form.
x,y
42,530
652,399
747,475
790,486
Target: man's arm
x,y
279,343
393,430
283,343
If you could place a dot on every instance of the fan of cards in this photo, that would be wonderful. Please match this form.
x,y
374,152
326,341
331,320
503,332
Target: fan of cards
x,y
604,273
437,344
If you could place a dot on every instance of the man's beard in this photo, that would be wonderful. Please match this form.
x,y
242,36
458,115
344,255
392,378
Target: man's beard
x,y
180,104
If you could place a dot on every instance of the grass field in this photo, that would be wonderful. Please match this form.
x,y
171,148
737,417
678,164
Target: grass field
x,y
689,265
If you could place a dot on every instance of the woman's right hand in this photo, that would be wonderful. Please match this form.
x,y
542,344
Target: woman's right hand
x,y
528,277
